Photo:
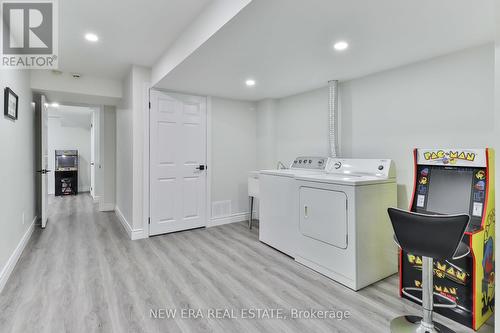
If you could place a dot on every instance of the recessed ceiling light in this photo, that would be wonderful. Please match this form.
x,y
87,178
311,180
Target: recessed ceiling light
x,y
91,37
54,105
250,82
341,45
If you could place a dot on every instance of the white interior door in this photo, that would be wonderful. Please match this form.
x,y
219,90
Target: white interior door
x,y
43,157
178,145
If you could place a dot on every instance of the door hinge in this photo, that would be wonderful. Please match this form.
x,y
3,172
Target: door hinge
x,y
149,220
150,105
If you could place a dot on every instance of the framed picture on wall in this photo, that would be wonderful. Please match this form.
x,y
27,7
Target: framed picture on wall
x,y
11,102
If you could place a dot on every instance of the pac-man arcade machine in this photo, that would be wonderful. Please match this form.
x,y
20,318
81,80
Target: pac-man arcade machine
x,y
455,181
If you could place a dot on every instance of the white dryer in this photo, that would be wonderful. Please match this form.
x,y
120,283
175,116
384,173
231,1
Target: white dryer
x,y
278,224
344,230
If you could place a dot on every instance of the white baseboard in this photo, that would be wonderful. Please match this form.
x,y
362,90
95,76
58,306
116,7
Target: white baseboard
x,y
138,234
11,263
85,188
81,189
233,218
133,234
106,207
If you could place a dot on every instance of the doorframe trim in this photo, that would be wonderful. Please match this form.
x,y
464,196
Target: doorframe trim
x,y
208,159
147,157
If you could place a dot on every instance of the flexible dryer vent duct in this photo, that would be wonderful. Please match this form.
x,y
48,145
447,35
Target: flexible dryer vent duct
x,y
333,112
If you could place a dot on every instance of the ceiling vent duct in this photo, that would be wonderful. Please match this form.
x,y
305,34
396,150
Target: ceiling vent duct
x,y
333,116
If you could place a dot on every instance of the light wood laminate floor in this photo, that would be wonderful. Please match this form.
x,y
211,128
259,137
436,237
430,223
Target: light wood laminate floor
x,y
82,274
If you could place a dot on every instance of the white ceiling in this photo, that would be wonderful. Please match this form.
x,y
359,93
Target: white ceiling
x,y
130,32
286,45
71,116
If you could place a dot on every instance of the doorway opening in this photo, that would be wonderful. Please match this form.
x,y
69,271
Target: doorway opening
x,y
75,146
70,150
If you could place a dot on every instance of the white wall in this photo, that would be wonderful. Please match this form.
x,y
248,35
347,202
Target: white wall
x,y
130,127
446,101
141,83
107,144
292,126
98,164
17,163
63,88
124,151
302,125
64,135
266,134
234,151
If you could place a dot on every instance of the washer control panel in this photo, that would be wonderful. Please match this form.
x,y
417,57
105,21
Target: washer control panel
x,y
309,162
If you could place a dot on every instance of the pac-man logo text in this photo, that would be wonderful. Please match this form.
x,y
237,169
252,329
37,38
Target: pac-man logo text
x,y
451,155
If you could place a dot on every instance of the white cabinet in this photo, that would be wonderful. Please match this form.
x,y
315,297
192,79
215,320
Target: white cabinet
x,y
277,213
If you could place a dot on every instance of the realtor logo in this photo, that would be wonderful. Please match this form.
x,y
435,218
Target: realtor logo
x,y
29,34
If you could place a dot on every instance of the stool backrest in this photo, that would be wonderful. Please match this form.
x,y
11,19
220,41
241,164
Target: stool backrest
x,y
434,236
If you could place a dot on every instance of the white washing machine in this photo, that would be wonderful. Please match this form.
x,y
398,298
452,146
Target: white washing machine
x,y
278,224
344,231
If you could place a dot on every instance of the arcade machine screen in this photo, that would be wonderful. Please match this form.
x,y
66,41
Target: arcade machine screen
x,y
66,161
450,191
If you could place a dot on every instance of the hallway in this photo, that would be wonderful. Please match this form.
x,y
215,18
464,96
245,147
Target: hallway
x,y
82,274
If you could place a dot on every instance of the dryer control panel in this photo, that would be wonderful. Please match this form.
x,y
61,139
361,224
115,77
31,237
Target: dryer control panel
x,y
309,162
382,168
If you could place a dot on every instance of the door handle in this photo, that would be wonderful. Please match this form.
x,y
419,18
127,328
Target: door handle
x,y
306,211
43,171
200,167
92,163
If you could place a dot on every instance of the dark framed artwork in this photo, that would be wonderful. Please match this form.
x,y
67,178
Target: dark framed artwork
x,y
11,103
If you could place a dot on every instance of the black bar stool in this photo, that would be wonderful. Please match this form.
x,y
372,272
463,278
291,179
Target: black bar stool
x,y
431,237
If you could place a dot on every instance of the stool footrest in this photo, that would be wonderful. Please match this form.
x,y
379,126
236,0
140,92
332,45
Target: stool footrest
x,y
418,291
413,324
